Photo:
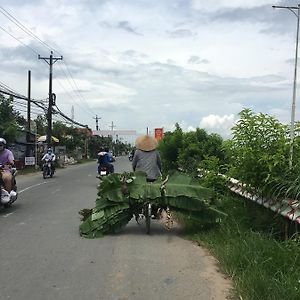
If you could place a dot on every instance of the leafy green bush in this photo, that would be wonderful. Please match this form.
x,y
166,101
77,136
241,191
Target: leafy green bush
x,y
186,150
259,150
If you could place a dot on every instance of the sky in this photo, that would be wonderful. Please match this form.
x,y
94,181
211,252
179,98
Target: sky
x,y
141,63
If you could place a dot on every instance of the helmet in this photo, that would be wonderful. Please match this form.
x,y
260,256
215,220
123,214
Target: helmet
x,y
2,141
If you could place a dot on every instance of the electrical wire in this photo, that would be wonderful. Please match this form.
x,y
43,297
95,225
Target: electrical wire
x,y
24,28
30,48
31,34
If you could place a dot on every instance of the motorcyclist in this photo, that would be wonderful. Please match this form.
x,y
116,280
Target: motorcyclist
x,y
7,161
131,154
111,159
104,161
49,156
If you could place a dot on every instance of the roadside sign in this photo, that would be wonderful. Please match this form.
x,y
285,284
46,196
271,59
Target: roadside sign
x,y
29,161
158,133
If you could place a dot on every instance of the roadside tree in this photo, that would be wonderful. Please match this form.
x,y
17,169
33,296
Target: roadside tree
x,y
8,126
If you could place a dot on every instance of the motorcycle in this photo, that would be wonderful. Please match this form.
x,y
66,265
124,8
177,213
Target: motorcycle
x,y
106,169
7,199
130,156
103,171
48,170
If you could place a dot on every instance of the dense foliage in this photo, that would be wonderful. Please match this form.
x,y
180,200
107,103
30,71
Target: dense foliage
x,y
252,245
8,126
186,150
259,153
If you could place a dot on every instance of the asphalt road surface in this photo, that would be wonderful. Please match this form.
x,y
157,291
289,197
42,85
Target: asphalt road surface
x,y
43,257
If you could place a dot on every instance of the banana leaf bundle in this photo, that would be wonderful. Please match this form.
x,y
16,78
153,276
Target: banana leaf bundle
x,y
120,196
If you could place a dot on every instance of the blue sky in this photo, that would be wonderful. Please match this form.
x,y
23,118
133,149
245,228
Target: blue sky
x,y
153,63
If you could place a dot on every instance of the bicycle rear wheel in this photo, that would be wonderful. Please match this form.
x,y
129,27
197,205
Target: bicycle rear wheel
x,y
148,217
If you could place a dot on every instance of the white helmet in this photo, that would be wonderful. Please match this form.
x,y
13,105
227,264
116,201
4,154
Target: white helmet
x,y
2,141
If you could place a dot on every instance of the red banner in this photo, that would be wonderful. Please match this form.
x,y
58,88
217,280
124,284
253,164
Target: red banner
x,y
158,133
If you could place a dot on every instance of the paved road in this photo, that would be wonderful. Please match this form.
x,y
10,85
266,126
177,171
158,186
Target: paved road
x,y
42,255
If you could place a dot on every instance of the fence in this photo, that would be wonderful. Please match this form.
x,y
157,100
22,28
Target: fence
x,y
288,208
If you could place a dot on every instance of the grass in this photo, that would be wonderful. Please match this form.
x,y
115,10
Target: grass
x,y
28,170
250,249
31,169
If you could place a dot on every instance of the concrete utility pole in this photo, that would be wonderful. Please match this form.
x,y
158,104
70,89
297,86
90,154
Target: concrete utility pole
x,y
292,131
112,126
28,112
97,119
52,60
72,113
28,100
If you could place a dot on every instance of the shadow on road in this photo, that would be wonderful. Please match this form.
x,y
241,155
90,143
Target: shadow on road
x,y
157,228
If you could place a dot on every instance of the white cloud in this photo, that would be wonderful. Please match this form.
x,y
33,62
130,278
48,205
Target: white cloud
x,y
219,4
218,124
130,68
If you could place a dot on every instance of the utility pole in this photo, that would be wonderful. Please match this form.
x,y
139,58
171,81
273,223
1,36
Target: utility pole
x,y
72,113
97,127
28,113
112,126
292,131
50,61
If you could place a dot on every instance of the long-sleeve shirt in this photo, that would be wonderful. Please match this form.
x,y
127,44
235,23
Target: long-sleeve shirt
x,y
49,156
148,162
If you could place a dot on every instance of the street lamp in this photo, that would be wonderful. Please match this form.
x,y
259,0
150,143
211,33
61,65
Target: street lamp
x,y
292,132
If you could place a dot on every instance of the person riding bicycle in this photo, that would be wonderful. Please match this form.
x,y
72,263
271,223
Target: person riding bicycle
x,y
146,158
7,162
49,156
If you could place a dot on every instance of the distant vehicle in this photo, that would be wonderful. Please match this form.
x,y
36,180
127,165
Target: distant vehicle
x,y
131,154
48,170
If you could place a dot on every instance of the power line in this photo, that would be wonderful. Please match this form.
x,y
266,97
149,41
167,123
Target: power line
x,y
40,105
76,89
24,28
32,35
19,40
72,97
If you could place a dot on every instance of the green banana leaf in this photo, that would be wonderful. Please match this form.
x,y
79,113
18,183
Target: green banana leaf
x,y
120,196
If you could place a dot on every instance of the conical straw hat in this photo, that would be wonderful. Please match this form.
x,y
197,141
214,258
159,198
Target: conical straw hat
x,y
146,143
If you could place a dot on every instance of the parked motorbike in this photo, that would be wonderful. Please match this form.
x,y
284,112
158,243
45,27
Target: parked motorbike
x,y
7,199
48,170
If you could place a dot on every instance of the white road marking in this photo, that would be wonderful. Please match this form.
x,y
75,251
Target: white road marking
x,y
57,190
32,186
5,216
